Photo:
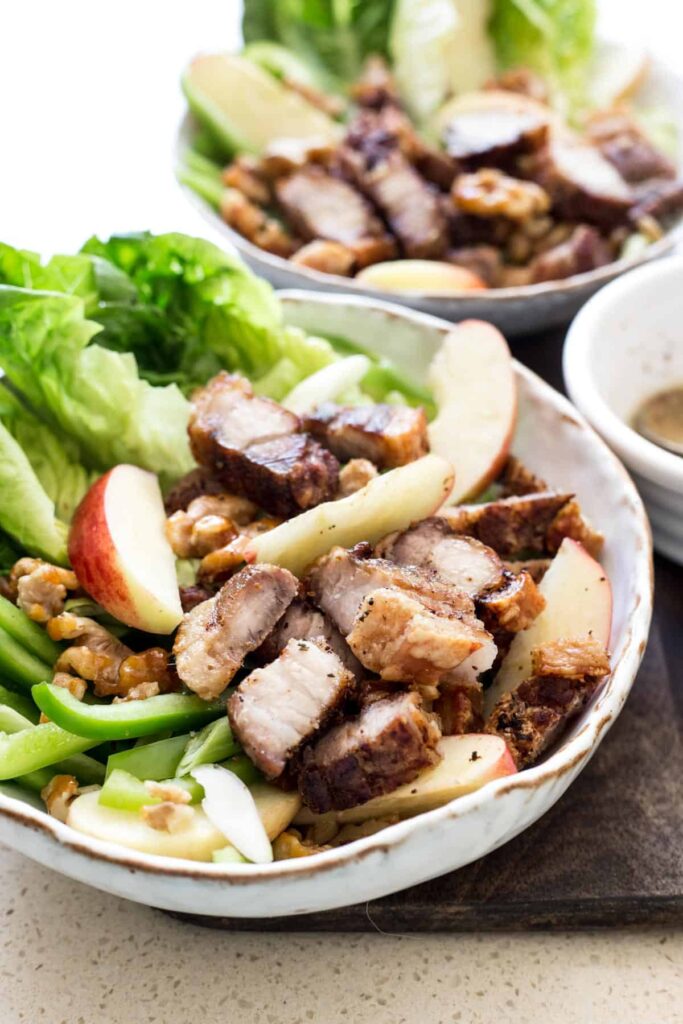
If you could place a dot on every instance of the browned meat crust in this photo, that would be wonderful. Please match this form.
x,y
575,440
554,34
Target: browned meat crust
x,y
517,478
493,138
302,621
226,415
659,199
486,261
389,744
584,250
567,673
536,567
341,580
283,476
582,184
510,525
431,544
318,205
215,637
375,88
278,708
460,707
513,606
395,636
194,484
193,595
569,522
388,435
621,141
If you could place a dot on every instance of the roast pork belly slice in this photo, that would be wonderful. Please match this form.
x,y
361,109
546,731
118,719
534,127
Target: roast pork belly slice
x,y
215,637
285,475
584,250
566,674
395,636
493,137
512,605
410,206
341,580
511,526
387,435
302,621
457,558
318,205
227,417
460,707
390,743
582,184
278,708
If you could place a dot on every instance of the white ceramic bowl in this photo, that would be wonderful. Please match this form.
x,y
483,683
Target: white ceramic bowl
x,y
520,310
625,345
555,441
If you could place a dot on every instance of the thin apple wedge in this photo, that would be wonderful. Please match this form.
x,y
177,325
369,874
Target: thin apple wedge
x,y
389,502
578,604
467,763
473,381
119,551
197,841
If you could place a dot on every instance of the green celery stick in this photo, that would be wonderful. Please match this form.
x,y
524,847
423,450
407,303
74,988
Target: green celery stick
x,y
27,633
211,744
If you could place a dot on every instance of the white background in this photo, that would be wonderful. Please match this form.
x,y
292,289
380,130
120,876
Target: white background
x,y
89,102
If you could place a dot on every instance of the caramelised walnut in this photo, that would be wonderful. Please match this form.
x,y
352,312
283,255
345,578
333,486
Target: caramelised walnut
x,y
387,435
95,654
150,666
59,794
216,636
244,175
490,193
390,743
195,484
76,686
281,706
326,256
41,588
355,474
251,221
167,816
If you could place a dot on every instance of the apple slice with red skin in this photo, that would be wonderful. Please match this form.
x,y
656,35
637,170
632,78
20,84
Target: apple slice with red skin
x,y
578,605
472,378
467,763
120,554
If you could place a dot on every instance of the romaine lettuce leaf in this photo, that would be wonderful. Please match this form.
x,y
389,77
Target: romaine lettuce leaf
x,y
553,37
92,394
333,36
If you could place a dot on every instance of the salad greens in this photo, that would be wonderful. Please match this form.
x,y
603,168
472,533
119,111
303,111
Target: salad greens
x,y
553,37
332,36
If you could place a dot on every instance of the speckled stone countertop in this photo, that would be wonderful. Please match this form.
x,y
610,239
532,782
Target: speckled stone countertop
x,y
71,955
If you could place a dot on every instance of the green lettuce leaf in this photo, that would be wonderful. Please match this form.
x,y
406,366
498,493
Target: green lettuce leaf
x,y
93,395
332,36
553,37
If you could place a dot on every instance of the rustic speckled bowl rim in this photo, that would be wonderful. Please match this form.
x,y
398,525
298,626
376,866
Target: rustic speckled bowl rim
x,y
563,760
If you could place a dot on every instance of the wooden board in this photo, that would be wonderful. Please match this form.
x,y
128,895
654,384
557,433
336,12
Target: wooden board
x,y
609,853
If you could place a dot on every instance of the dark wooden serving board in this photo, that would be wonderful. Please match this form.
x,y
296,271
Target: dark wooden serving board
x,y
610,852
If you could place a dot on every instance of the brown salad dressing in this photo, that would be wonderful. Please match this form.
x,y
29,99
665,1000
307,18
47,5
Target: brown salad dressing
x,y
660,419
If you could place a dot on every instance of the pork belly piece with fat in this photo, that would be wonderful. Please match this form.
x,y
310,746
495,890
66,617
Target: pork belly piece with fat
x,y
395,636
458,559
460,707
227,417
387,435
512,605
584,250
510,525
284,476
494,137
318,205
278,708
390,743
582,184
215,637
566,674
341,580
302,621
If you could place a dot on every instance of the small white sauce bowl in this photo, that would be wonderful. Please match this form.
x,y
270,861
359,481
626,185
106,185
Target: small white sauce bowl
x,y
625,345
